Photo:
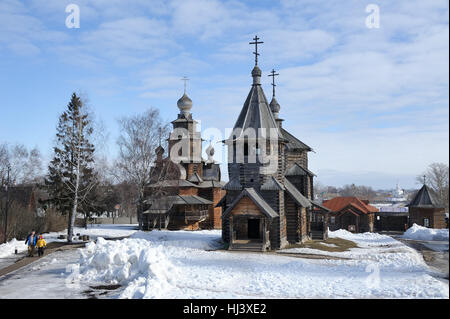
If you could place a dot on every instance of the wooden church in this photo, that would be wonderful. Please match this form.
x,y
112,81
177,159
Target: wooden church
x,y
185,187
268,202
425,210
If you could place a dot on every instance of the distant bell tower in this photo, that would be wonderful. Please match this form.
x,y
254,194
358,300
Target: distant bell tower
x,y
185,143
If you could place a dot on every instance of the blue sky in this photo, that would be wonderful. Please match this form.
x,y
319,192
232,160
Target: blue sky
x,y
373,103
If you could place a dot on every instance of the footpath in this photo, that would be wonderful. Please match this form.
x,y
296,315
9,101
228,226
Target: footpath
x,y
24,261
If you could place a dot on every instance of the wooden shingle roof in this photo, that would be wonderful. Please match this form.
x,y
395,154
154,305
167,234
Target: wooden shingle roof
x,y
296,195
294,143
348,202
424,198
256,198
256,113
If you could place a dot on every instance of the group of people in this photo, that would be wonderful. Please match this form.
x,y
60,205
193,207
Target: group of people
x,y
35,241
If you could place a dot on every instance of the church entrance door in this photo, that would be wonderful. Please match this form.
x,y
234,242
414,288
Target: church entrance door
x,y
253,229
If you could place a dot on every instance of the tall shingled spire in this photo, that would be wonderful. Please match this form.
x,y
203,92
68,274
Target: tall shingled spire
x,y
256,113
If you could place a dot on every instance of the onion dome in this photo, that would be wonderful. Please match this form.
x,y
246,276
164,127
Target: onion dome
x,y
256,74
184,104
159,150
274,107
210,153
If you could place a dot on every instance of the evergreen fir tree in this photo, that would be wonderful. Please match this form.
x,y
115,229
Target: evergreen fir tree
x,y
71,177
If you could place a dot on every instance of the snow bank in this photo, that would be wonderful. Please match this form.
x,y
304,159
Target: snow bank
x,y
417,232
141,263
130,262
8,249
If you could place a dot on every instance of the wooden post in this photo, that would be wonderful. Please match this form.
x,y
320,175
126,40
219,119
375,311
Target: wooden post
x,y
263,220
231,232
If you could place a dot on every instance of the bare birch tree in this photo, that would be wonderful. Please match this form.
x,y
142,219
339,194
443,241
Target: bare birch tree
x,y
140,136
436,177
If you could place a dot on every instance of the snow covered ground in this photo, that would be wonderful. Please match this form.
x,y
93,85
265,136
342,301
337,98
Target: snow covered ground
x,y
185,264
48,278
7,250
180,264
417,232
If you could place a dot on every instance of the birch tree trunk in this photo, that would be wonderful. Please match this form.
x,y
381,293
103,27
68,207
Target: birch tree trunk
x,y
76,188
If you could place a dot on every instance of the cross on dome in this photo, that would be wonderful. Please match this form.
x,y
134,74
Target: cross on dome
x,y
256,42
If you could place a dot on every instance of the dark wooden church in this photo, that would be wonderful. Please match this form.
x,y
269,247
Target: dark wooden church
x,y
424,210
268,203
185,187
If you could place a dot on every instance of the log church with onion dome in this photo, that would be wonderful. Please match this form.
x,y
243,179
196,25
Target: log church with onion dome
x,y
269,196
185,187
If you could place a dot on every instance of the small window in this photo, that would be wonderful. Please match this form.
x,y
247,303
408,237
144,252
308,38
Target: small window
x,y
426,222
332,219
257,149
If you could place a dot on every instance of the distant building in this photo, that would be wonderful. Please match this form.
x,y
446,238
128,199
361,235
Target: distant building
x,y
392,218
350,213
424,210
398,195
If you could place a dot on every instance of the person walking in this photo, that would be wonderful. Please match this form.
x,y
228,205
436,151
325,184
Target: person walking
x,y
40,245
31,241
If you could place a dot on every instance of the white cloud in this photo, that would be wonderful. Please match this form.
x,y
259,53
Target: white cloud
x,y
351,92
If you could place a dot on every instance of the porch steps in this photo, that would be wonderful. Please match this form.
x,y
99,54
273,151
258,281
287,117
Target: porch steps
x,y
317,234
247,247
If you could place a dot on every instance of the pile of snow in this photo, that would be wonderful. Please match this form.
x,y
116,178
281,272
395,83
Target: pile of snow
x,y
417,232
141,263
131,262
8,249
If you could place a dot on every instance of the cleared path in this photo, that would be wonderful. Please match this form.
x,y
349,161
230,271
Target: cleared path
x,y
51,248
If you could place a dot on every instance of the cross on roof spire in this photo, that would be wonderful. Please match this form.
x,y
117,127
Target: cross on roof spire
x,y
424,179
185,79
256,42
160,133
273,75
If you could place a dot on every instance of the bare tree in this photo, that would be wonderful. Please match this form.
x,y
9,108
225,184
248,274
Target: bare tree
x,y
26,165
436,177
362,192
140,136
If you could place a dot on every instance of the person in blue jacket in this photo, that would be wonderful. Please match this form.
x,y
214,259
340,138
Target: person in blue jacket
x,y
31,240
